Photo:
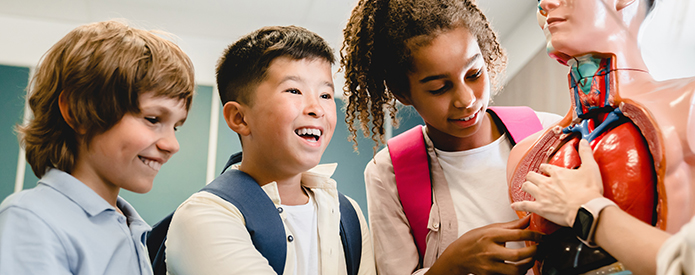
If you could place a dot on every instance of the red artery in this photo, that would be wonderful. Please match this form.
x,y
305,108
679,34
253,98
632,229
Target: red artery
x,y
626,168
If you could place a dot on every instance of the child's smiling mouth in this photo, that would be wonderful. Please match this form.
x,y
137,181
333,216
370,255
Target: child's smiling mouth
x,y
472,116
309,134
155,165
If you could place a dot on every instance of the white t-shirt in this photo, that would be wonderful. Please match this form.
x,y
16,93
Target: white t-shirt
x,y
302,222
477,181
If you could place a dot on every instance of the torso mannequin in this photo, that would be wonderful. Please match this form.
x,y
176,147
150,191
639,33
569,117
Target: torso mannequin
x,y
660,111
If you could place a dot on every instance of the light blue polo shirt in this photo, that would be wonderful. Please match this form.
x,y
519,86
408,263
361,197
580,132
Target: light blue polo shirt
x,y
63,227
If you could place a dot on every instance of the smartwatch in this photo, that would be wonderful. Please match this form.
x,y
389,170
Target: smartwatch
x,y
587,219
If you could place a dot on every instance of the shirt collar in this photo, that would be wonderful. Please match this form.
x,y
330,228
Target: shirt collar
x,y
76,191
137,225
320,176
317,177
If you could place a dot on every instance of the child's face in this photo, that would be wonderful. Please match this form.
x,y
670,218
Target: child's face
x,y
292,116
130,154
449,84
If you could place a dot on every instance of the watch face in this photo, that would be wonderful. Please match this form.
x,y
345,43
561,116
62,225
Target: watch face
x,y
582,223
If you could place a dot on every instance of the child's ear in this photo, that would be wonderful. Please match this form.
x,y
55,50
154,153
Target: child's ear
x,y
65,112
234,114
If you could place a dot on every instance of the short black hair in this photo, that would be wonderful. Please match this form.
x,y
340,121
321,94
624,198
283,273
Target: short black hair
x,y
244,63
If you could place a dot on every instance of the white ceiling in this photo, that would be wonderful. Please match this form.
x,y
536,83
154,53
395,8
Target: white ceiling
x,y
227,20
223,21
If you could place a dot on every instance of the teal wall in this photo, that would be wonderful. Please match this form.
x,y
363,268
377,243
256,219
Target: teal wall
x,y
408,118
13,82
185,173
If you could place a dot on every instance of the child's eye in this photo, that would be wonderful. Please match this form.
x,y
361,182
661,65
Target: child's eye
x,y
326,96
440,90
293,91
475,75
152,120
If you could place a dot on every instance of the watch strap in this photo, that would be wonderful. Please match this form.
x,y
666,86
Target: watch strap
x,y
594,207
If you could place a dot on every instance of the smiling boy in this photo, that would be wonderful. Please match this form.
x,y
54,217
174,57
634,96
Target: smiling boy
x,y
278,96
106,100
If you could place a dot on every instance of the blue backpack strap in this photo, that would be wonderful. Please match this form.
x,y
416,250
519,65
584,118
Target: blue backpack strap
x,y
350,234
233,159
263,221
155,245
266,230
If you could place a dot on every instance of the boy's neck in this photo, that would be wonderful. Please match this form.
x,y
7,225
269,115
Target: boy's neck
x,y
107,192
289,185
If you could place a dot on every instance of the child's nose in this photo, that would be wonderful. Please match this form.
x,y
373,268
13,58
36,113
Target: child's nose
x,y
464,96
169,143
548,5
314,108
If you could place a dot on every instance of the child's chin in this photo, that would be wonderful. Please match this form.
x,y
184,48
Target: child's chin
x,y
310,164
141,189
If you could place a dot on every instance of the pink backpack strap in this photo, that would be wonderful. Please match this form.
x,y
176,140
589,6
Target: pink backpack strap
x,y
519,121
412,170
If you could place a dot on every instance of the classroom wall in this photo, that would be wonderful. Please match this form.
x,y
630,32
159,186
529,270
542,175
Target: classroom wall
x,y
187,171
13,80
668,40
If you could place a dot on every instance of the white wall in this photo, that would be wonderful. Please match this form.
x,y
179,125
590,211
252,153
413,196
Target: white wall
x,y
667,39
25,40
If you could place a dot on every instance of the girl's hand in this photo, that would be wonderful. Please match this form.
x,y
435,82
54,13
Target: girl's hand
x,y
482,251
560,194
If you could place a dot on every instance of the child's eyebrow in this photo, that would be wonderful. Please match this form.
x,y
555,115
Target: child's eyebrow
x,y
291,78
299,79
470,62
164,111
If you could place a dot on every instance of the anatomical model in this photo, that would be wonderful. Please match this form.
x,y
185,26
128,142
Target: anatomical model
x,y
637,128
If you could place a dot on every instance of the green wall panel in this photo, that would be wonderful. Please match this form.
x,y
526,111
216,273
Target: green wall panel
x,y
13,82
350,172
184,173
408,118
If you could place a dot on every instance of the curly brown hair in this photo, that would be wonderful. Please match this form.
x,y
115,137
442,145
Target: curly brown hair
x,y
102,68
376,53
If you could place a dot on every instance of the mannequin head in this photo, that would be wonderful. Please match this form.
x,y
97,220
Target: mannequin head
x,y
578,27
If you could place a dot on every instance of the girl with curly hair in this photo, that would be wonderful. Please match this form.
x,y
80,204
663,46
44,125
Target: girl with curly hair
x,y
443,58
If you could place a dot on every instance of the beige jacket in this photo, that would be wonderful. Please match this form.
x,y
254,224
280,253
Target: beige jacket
x,y
208,235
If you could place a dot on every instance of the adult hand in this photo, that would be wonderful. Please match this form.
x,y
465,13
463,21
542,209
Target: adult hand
x,y
560,194
482,251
